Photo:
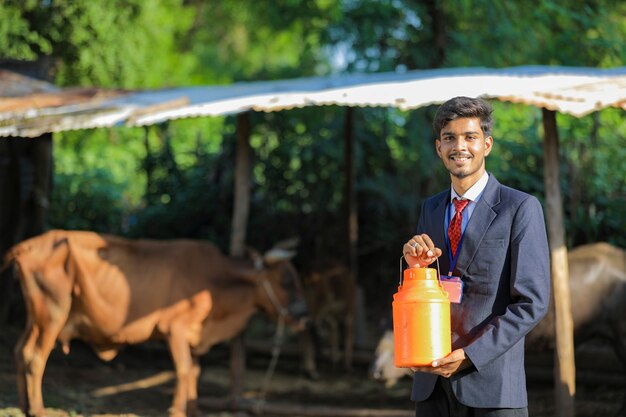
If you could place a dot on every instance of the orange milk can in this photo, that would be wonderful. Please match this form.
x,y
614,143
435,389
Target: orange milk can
x,y
421,319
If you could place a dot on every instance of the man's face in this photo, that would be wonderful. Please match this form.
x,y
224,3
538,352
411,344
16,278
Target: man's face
x,y
462,146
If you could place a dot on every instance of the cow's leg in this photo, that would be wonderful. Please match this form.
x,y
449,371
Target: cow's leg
x,y
24,345
31,355
192,387
308,349
334,340
181,355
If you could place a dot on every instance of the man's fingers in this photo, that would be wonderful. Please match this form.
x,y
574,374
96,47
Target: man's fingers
x,y
429,243
422,244
422,249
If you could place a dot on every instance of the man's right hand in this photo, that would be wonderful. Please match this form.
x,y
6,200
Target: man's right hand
x,y
420,251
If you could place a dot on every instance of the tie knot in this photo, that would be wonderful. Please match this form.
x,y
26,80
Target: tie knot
x,y
460,205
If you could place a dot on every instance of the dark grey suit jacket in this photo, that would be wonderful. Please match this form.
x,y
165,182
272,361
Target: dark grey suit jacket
x,y
505,267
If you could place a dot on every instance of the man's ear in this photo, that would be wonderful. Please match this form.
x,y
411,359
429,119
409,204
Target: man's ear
x,y
488,145
438,147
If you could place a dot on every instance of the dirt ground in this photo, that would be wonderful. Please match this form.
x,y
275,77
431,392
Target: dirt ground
x,y
139,382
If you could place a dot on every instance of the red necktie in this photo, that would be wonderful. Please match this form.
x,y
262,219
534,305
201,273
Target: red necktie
x,y
454,230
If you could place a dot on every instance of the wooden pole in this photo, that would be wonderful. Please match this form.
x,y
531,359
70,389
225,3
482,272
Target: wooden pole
x,y
241,209
24,204
241,206
355,330
42,185
352,214
564,364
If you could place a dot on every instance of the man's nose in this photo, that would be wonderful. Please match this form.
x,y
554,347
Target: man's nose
x,y
459,142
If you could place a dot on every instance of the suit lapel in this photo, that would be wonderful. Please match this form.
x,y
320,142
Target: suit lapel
x,y
481,220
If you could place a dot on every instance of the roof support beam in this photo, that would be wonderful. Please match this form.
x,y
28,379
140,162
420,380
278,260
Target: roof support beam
x,y
241,204
564,364
350,195
241,209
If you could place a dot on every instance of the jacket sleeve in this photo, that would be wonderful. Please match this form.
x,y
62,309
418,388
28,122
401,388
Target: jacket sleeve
x,y
529,287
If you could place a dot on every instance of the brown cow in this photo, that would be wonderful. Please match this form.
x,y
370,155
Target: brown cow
x,y
330,291
597,274
109,292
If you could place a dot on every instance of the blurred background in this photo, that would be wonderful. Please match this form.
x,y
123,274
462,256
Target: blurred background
x,y
175,179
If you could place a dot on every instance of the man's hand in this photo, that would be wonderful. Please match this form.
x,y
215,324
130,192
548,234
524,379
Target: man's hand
x,y
455,362
420,251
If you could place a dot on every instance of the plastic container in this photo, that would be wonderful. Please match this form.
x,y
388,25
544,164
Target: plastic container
x,y
421,319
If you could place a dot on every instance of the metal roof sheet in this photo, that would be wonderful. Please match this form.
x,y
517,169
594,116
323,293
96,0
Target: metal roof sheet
x,y
575,91
13,84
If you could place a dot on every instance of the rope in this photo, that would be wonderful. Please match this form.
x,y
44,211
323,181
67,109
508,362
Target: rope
x,y
276,346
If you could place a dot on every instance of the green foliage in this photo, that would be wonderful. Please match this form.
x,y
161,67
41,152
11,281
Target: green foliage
x,y
119,152
550,32
17,39
298,185
255,40
123,43
594,177
188,188
375,35
176,180
89,201
517,156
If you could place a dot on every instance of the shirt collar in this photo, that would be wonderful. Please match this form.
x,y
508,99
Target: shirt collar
x,y
474,191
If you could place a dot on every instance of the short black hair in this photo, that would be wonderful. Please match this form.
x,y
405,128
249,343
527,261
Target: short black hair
x,y
460,107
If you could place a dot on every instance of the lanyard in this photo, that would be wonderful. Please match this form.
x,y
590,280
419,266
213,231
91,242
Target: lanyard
x,y
458,248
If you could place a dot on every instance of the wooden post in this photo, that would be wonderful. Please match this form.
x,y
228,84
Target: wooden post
x,y
241,206
352,232
241,209
352,215
10,195
25,187
564,364
42,185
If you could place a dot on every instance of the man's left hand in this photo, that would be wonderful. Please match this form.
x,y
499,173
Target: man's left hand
x,y
455,362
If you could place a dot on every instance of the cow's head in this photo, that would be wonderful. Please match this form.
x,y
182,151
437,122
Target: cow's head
x,y
280,289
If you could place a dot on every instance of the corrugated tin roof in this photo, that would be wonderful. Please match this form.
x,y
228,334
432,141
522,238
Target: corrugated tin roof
x,y
576,91
15,85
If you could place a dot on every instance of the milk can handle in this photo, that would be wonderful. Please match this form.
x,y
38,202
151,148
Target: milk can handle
x,y
401,274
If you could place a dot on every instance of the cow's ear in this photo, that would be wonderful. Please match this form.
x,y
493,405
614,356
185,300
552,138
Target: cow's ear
x,y
275,255
255,257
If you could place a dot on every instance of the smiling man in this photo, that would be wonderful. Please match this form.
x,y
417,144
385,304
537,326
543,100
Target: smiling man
x,y
494,246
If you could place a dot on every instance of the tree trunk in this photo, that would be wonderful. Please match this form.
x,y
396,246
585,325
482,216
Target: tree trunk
x,y
439,36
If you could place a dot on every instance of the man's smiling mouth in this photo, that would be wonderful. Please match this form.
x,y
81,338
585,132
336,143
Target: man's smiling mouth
x,y
460,158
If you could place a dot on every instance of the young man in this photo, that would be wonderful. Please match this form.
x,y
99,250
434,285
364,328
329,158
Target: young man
x,y
494,239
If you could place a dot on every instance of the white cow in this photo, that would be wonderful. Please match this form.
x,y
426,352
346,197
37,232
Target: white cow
x,y
384,368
